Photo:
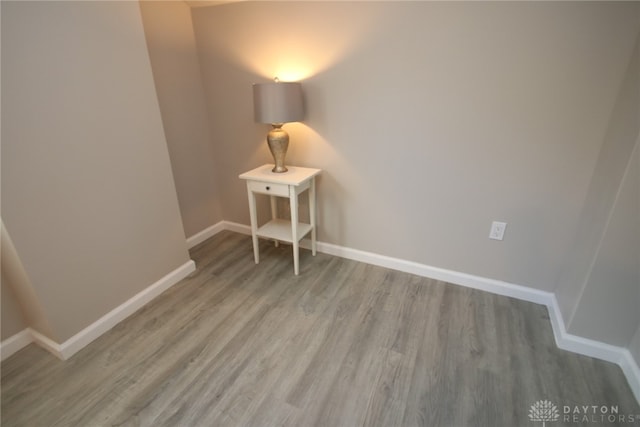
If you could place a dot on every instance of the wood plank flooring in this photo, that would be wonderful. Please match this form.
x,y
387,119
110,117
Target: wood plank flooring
x,y
342,344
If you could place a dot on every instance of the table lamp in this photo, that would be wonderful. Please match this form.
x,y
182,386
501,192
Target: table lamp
x,y
278,103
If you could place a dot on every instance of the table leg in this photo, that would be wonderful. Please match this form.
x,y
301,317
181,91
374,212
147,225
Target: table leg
x,y
274,213
312,214
293,197
254,223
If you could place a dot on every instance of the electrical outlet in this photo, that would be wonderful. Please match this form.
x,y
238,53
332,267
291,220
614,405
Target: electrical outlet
x,y
497,230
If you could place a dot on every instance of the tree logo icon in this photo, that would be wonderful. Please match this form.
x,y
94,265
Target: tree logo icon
x,y
543,410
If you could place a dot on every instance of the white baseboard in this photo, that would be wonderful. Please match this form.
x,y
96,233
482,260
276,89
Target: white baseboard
x,y
96,329
48,344
211,231
596,349
236,227
118,314
564,340
205,234
25,337
577,344
15,343
631,370
468,280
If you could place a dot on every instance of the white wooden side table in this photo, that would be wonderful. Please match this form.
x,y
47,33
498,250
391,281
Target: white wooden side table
x,y
288,184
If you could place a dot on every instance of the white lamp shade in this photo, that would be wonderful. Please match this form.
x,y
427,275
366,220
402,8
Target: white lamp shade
x,y
278,102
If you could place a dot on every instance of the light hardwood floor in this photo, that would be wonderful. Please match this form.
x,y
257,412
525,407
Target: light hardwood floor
x,y
342,344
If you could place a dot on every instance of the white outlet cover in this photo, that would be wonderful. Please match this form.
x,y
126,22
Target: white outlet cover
x,y
497,230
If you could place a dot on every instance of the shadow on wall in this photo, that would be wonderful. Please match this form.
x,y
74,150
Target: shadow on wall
x,y
14,274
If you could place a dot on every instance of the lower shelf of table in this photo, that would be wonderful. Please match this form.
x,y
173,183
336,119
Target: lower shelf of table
x,y
280,229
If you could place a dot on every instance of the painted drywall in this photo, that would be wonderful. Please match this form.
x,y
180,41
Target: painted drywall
x,y
634,346
429,119
87,189
176,72
12,319
608,307
587,257
19,298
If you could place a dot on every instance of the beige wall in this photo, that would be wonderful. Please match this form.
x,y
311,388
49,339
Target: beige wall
x,y
21,306
178,83
607,309
12,319
429,119
87,190
599,287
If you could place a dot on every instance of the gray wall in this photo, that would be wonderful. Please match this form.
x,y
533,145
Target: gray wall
x,y
178,83
429,120
87,190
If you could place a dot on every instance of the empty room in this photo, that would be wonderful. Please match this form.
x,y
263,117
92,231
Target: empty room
x,y
320,213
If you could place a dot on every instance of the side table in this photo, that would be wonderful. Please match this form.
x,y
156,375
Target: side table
x,y
288,184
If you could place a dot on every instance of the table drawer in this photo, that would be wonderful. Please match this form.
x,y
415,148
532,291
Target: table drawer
x,y
269,188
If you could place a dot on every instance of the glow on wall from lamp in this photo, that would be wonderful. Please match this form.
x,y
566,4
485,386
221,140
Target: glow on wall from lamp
x,y
293,60
300,48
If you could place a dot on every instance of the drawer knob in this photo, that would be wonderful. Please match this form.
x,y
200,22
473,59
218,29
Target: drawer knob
x,y
268,188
